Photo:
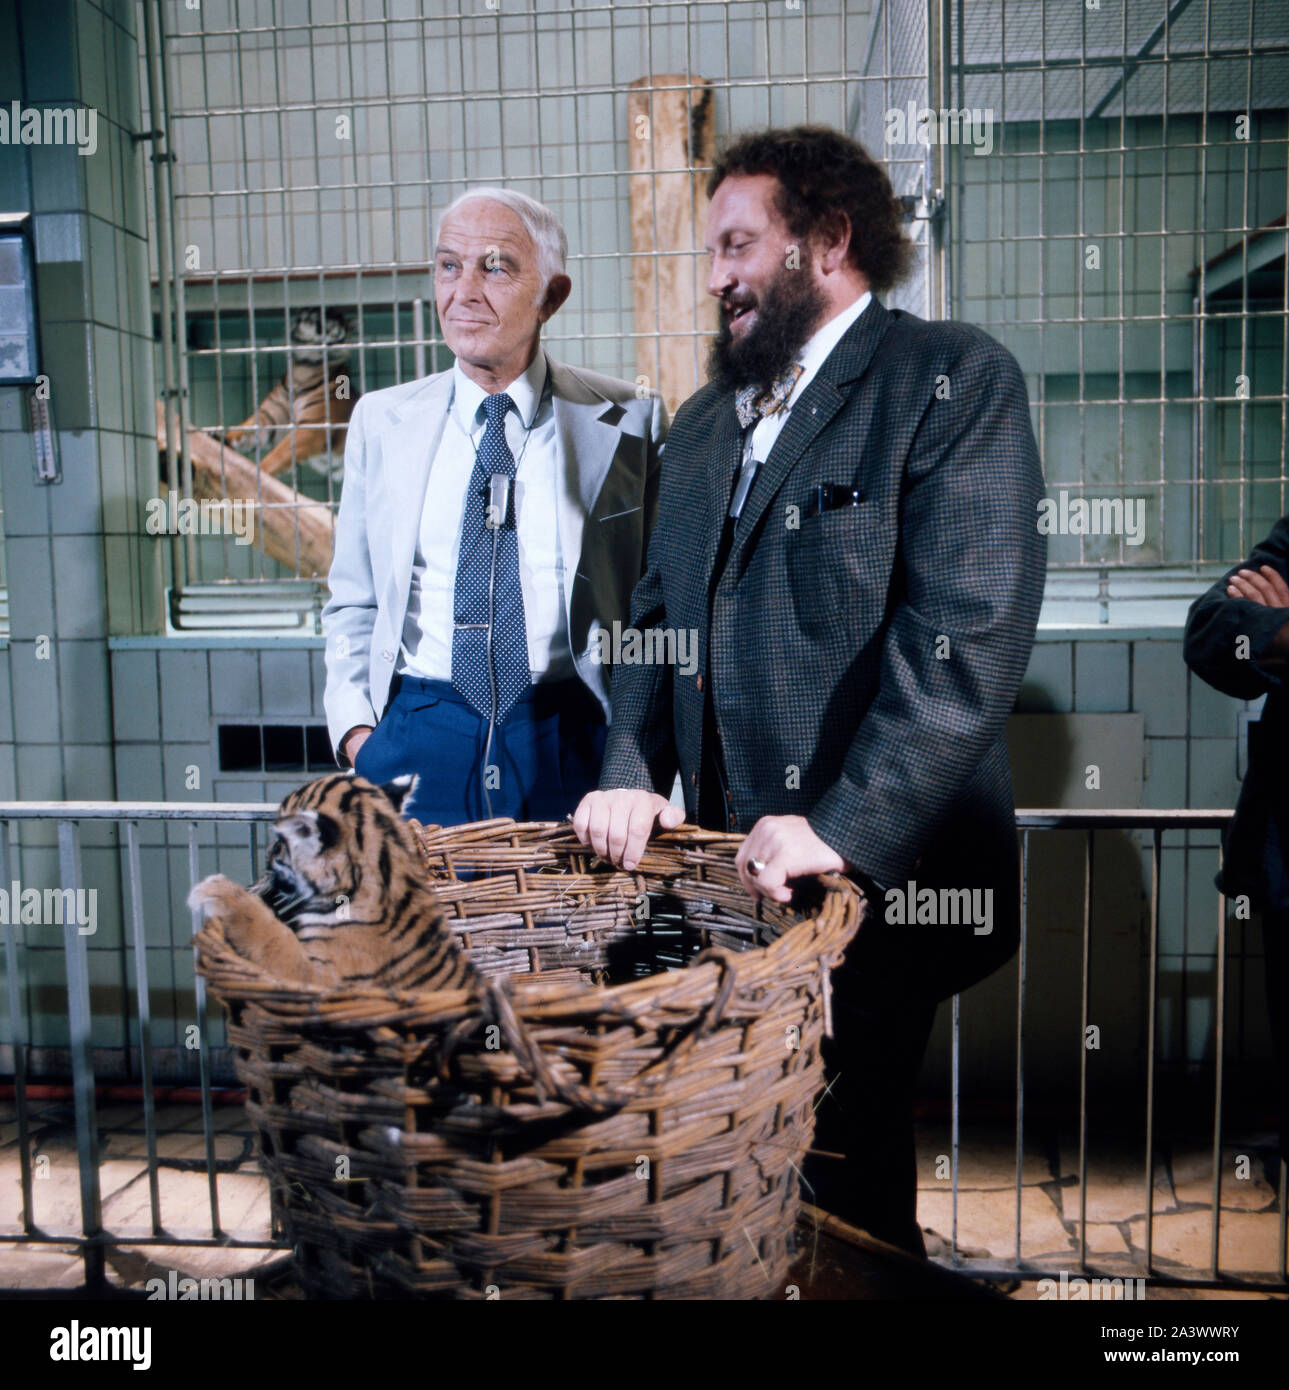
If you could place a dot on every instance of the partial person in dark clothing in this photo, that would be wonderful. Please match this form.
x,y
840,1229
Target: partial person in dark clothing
x,y
1237,640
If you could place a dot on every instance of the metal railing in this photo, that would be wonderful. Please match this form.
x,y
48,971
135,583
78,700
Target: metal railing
x,y
93,1239
68,815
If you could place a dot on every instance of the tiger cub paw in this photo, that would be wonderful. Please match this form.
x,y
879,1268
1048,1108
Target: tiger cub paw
x,y
219,897
248,926
240,915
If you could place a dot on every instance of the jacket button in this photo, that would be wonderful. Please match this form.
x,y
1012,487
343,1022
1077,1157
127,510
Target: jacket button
x,y
693,779
700,683
387,655
733,821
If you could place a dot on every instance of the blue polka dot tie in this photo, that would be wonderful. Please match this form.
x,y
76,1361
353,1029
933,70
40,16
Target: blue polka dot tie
x,y
474,667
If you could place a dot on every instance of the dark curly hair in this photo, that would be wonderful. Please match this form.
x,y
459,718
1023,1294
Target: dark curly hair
x,y
822,174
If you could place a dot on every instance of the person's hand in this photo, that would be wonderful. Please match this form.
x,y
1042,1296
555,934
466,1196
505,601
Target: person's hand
x,y
617,824
1265,586
354,740
787,848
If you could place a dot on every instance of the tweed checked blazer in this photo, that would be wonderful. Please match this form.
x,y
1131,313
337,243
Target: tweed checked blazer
x,y
862,661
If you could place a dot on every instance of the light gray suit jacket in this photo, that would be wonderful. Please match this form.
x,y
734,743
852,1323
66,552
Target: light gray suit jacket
x,y
610,446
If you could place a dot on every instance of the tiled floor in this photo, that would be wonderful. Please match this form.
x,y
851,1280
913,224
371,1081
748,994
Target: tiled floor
x,y
1115,1206
123,1176
1116,1203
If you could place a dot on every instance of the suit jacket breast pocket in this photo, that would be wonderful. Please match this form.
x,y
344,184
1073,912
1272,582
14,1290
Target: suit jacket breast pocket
x,y
839,570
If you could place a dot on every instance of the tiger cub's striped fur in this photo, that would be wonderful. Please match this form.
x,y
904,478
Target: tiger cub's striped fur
x,y
343,900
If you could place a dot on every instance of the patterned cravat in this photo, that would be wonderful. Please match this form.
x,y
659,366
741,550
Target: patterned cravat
x,y
751,404
470,672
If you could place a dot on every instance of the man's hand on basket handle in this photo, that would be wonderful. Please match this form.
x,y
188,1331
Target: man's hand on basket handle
x,y
784,847
617,824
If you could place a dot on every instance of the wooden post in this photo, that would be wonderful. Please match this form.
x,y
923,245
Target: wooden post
x,y
669,133
293,530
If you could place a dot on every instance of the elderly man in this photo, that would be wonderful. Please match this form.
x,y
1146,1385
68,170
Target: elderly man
x,y
849,519
493,518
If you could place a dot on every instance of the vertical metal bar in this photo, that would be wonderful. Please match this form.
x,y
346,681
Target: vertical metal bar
x,y
203,1064
164,237
936,59
145,1016
1248,466
1282,1268
1020,1029
1041,403
1165,547
697,288
1202,546
418,336
396,244
183,402
1152,1028
655,264
18,1032
954,1120
1080,312
1199,506
1218,1060
1088,842
80,1028
1120,256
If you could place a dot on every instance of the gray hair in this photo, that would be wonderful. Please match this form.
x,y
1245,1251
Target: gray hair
x,y
539,222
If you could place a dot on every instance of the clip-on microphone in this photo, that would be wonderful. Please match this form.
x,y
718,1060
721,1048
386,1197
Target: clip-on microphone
x,y
498,511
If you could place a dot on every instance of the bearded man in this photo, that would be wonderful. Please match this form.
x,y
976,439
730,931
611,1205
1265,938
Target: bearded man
x,y
848,520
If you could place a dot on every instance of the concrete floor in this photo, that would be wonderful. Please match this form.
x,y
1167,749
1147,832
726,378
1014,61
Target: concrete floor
x,y
1116,1204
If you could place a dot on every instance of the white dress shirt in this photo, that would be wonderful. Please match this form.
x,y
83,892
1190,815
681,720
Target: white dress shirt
x,y
810,358
431,605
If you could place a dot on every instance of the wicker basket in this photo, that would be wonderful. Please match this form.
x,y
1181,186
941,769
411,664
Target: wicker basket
x,y
566,1136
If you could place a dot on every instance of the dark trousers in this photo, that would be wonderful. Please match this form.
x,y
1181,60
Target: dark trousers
x,y
866,1114
882,1019
1275,950
546,752
1275,947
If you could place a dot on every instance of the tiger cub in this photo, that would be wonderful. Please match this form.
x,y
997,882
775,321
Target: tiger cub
x,y
343,900
314,396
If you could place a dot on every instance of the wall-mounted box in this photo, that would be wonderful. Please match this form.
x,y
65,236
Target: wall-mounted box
x,y
19,347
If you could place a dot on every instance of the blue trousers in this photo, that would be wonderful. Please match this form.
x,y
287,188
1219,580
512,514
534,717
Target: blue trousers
x,y
545,756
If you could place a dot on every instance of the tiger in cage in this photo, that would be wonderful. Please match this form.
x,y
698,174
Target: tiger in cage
x,y
307,411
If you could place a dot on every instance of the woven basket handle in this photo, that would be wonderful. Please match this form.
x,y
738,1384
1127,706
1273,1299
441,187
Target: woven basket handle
x,y
497,1008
